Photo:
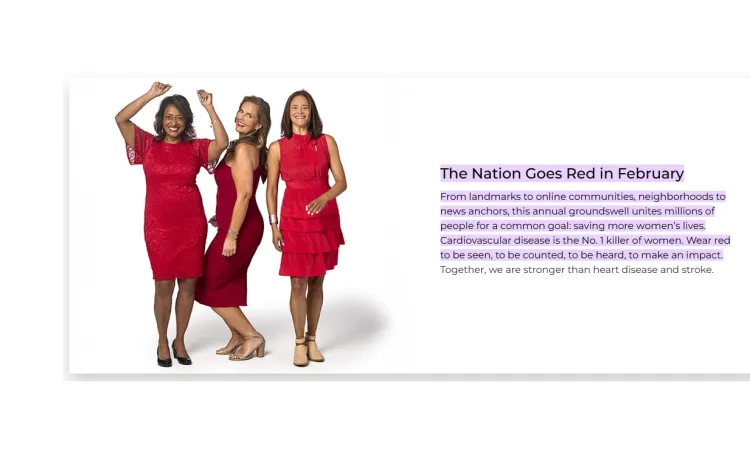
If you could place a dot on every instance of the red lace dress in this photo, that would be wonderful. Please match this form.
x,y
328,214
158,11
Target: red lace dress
x,y
224,280
174,220
311,243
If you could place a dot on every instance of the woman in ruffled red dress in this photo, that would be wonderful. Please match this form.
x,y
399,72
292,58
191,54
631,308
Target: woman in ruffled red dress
x,y
308,234
175,226
223,285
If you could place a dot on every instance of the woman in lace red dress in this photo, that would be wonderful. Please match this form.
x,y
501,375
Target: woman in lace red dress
x,y
309,233
223,285
174,220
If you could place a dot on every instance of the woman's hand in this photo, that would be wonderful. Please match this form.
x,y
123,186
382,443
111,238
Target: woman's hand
x,y
158,89
316,205
207,99
230,247
212,221
278,241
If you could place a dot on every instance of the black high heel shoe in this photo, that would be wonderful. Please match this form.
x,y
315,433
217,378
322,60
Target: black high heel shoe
x,y
163,362
184,361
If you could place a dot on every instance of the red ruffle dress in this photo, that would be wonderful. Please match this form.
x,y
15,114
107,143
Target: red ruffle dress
x,y
311,242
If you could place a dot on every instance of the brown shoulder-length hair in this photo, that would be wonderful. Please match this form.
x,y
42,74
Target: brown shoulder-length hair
x,y
257,138
182,104
315,128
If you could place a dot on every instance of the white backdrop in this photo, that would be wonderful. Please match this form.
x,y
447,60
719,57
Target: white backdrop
x,y
108,252
388,309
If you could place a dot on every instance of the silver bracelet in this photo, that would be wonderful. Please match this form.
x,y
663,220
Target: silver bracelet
x,y
272,219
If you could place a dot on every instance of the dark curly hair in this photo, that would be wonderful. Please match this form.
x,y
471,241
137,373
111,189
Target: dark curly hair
x,y
257,138
188,134
315,128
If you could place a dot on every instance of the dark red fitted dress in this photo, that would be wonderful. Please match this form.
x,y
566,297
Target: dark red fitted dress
x,y
174,220
311,243
224,280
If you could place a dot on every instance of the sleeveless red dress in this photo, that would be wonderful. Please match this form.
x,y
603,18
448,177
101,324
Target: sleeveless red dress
x,y
224,280
174,220
311,243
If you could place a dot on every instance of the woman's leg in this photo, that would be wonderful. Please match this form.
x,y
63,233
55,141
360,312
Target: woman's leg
x,y
238,322
235,339
298,305
183,310
163,291
314,306
314,303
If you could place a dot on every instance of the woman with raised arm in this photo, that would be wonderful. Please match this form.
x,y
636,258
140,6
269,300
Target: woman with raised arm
x,y
223,285
174,220
309,233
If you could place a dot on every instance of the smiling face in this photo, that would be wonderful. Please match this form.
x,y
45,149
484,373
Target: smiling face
x,y
173,123
246,121
301,116
299,112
